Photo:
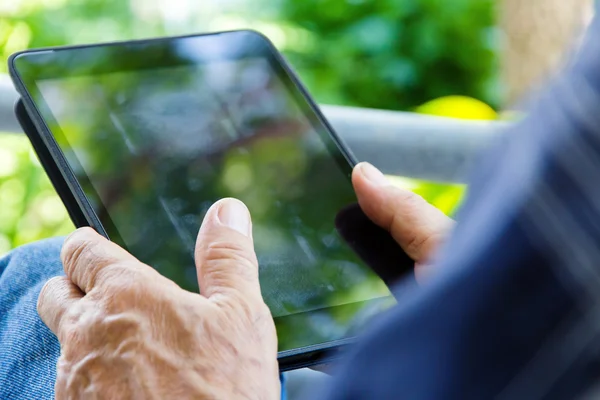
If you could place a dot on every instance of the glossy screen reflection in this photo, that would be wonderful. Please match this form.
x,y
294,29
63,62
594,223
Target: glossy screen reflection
x,y
159,146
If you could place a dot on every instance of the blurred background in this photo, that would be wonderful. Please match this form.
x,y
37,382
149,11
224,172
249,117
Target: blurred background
x,y
466,59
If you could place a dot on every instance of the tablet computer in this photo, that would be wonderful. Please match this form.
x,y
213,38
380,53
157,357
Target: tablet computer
x,y
140,138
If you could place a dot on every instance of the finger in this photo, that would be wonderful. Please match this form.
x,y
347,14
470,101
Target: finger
x,y
225,258
88,259
416,225
57,296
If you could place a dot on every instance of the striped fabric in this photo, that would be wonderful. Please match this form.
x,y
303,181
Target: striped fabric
x,y
514,312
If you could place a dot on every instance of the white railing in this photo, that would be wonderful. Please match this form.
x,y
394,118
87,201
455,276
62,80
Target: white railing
x,y
400,143
8,96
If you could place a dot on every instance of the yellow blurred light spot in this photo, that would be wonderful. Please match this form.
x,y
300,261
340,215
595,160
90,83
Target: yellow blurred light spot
x,y
461,107
276,34
8,163
5,29
402,182
10,8
12,192
18,39
15,144
237,177
52,211
447,197
450,199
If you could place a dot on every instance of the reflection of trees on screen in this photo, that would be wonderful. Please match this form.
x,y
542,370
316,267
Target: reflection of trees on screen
x,y
172,147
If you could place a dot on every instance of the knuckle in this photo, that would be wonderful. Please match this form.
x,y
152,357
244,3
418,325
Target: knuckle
x,y
229,250
77,249
118,277
409,199
422,244
125,286
222,274
414,244
72,318
78,328
117,281
69,338
430,243
251,312
261,319
121,278
262,311
70,325
225,258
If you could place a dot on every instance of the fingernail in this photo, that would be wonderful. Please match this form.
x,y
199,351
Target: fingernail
x,y
373,174
234,214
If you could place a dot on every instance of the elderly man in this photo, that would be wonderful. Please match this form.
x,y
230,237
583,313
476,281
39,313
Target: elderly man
x,y
509,310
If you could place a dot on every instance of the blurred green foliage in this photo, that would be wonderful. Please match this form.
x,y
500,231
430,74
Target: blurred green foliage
x,y
29,207
393,54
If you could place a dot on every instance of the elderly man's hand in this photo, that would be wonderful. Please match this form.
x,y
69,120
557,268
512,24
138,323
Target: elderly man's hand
x,y
417,226
127,332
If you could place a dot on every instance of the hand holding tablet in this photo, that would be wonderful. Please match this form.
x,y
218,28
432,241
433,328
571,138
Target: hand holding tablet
x,y
127,332
143,137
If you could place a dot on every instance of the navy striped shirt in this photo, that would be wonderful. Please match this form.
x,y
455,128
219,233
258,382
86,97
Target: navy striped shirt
x,y
515,310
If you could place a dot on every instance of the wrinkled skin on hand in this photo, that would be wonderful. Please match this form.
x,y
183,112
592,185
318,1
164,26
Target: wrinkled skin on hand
x,y
126,332
417,226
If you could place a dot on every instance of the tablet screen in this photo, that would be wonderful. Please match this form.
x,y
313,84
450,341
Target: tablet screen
x,y
154,146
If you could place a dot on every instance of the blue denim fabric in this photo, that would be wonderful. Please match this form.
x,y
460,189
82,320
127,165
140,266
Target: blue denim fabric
x,y
28,349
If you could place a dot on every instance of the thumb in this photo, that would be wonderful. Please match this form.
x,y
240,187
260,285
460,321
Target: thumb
x,y
225,258
416,225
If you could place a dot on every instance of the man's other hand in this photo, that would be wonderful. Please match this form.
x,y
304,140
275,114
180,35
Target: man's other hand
x,y
127,332
417,226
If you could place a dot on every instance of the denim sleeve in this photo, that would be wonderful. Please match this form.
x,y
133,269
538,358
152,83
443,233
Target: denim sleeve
x,y
514,312
28,349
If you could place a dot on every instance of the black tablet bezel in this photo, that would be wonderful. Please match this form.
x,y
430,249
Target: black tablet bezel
x,y
83,214
293,359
